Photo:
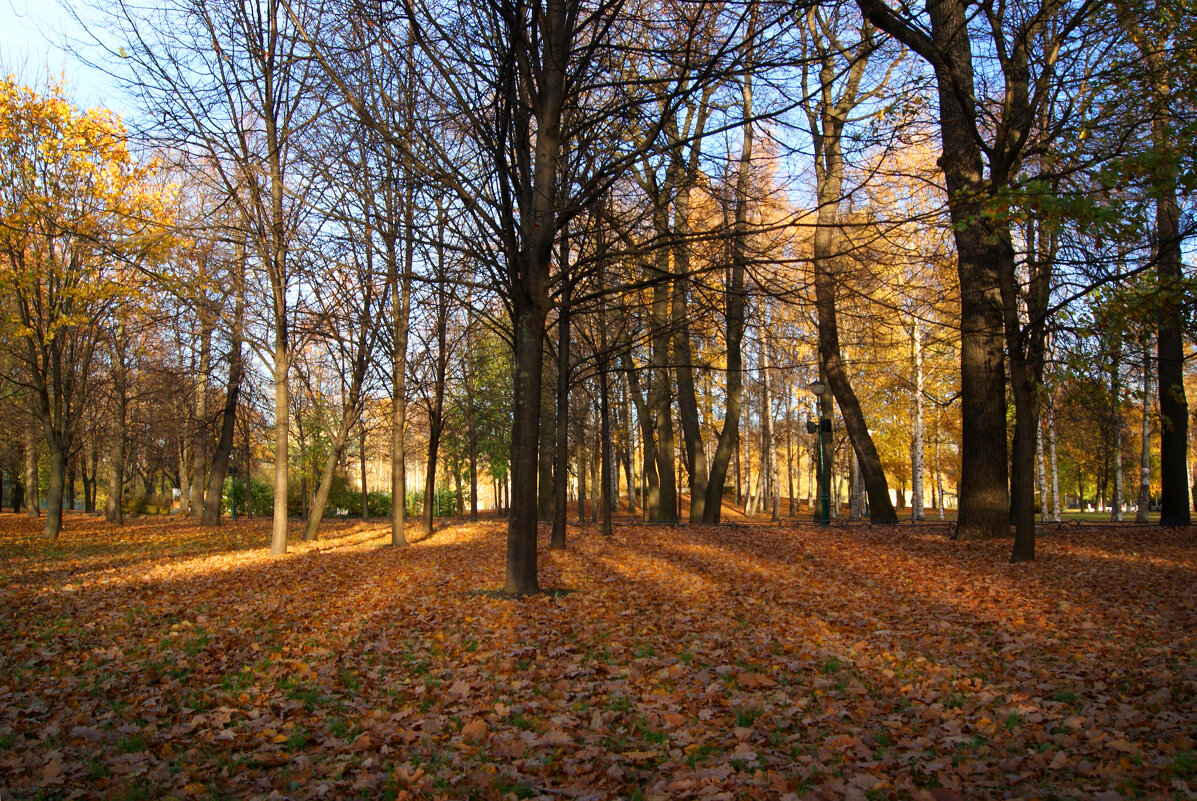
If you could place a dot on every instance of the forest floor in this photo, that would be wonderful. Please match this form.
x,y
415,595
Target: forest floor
x,y
162,660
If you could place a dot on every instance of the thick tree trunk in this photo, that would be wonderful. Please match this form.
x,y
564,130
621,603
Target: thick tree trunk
x,y
984,495
1174,407
201,434
521,575
529,295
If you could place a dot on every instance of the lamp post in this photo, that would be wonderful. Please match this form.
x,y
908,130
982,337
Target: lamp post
x,y
819,390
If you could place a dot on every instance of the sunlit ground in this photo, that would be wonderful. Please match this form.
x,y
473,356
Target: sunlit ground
x,y
163,660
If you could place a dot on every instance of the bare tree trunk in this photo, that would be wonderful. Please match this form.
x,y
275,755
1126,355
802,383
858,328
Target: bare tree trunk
x,y
583,469
1041,462
1145,448
361,455
282,424
1116,422
606,474
184,476
116,455
546,459
201,434
857,495
561,451
629,452
917,504
652,499
768,442
790,445
713,509
1055,465
228,422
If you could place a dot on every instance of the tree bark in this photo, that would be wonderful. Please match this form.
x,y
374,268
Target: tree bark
x,y
1116,423
116,455
1145,442
201,434
735,301
228,420
984,496
917,505
561,452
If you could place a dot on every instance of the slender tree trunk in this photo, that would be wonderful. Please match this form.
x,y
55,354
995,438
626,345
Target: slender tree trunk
x,y
1057,509
652,490
116,455
282,423
696,459
661,401
629,451
790,446
1145,441
606,474
1116,422
339,439
713,509
561,451
362,471
545,496
583,468
917,505
857,495
1041,464
228,421
768,441
938,479
184,477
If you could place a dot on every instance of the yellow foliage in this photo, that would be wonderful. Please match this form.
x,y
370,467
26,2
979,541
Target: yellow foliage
x,y
78,214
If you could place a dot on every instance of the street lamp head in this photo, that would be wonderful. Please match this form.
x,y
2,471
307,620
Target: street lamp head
x,y
817,387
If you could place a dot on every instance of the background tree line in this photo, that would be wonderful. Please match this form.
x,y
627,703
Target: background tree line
x,y
542,253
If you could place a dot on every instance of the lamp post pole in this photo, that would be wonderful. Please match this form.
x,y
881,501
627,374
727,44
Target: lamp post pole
x,y
823,398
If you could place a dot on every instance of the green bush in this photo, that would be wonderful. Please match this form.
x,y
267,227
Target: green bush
x,y
378,504
261,497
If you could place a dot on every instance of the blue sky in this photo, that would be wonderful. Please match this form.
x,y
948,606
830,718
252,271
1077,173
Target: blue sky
x,y
32,33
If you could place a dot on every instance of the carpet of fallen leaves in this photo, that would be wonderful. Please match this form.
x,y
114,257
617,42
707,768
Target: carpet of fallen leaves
x,y
165,661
